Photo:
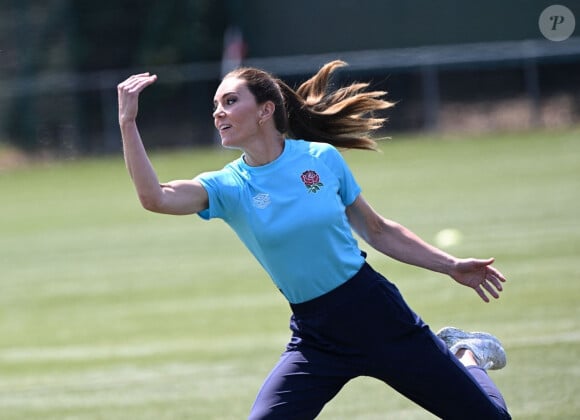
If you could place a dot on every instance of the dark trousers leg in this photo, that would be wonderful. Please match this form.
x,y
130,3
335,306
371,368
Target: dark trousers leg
x,y
428,374
299,386
487,385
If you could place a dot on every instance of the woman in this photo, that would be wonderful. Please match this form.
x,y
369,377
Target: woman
x,y
286,197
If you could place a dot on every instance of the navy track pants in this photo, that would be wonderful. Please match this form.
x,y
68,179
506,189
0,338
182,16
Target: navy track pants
x,y
365,328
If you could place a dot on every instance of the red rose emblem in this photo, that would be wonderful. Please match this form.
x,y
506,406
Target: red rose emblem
x,y
311,181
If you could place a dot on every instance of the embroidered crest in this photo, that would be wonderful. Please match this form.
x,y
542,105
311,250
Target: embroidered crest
x,y
311,181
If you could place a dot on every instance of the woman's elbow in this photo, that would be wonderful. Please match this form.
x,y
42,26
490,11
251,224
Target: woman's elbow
x,y
378,232
367,233
150,203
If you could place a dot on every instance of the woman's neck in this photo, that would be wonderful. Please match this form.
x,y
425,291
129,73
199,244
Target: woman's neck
x,y
264,152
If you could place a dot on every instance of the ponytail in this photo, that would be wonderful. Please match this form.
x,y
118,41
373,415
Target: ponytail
x,y
344,117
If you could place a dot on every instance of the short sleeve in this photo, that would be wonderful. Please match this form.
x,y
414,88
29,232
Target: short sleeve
x,y
222,193
349,188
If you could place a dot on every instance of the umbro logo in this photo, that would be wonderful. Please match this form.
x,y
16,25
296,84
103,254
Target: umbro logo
x,y
261,200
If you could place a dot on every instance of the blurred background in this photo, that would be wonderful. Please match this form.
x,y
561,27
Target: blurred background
x,y
451,65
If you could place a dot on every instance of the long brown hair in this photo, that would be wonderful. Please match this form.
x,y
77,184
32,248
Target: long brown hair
x,y
344,117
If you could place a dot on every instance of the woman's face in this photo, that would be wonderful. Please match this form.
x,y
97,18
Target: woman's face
x,y
236,113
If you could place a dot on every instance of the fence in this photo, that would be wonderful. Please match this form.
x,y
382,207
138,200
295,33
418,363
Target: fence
x,y
427,62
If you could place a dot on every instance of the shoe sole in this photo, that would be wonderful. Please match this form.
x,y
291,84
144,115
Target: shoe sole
x,y
451,335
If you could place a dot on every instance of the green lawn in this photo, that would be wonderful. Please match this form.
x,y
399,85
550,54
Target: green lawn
x,y
110,312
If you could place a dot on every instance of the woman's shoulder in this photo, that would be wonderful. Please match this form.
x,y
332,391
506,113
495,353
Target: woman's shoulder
x,y
227,174
313,148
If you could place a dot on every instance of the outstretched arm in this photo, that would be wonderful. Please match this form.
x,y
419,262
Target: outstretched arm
x,y
175,197
398,242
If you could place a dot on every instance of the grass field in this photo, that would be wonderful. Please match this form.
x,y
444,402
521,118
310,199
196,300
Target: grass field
x,y
110,312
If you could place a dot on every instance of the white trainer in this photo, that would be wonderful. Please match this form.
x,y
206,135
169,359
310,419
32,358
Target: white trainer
x,y
451,335
486,348
489,354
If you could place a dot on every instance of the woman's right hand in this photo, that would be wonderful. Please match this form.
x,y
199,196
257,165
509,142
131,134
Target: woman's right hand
x,y
128,93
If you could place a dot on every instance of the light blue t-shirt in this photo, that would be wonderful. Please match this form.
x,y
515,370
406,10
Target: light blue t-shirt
x,y
290,213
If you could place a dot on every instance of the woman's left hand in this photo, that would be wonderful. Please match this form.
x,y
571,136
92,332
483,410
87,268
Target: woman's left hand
x,y
480,276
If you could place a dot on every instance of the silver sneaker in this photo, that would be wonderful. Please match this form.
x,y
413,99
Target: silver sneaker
x,y
489,354
486,348
451,335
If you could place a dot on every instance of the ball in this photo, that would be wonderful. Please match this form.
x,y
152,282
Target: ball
x,y
447,238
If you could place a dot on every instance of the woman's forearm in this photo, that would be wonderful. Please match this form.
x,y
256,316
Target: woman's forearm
x,y
395,240
398,242
139,166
